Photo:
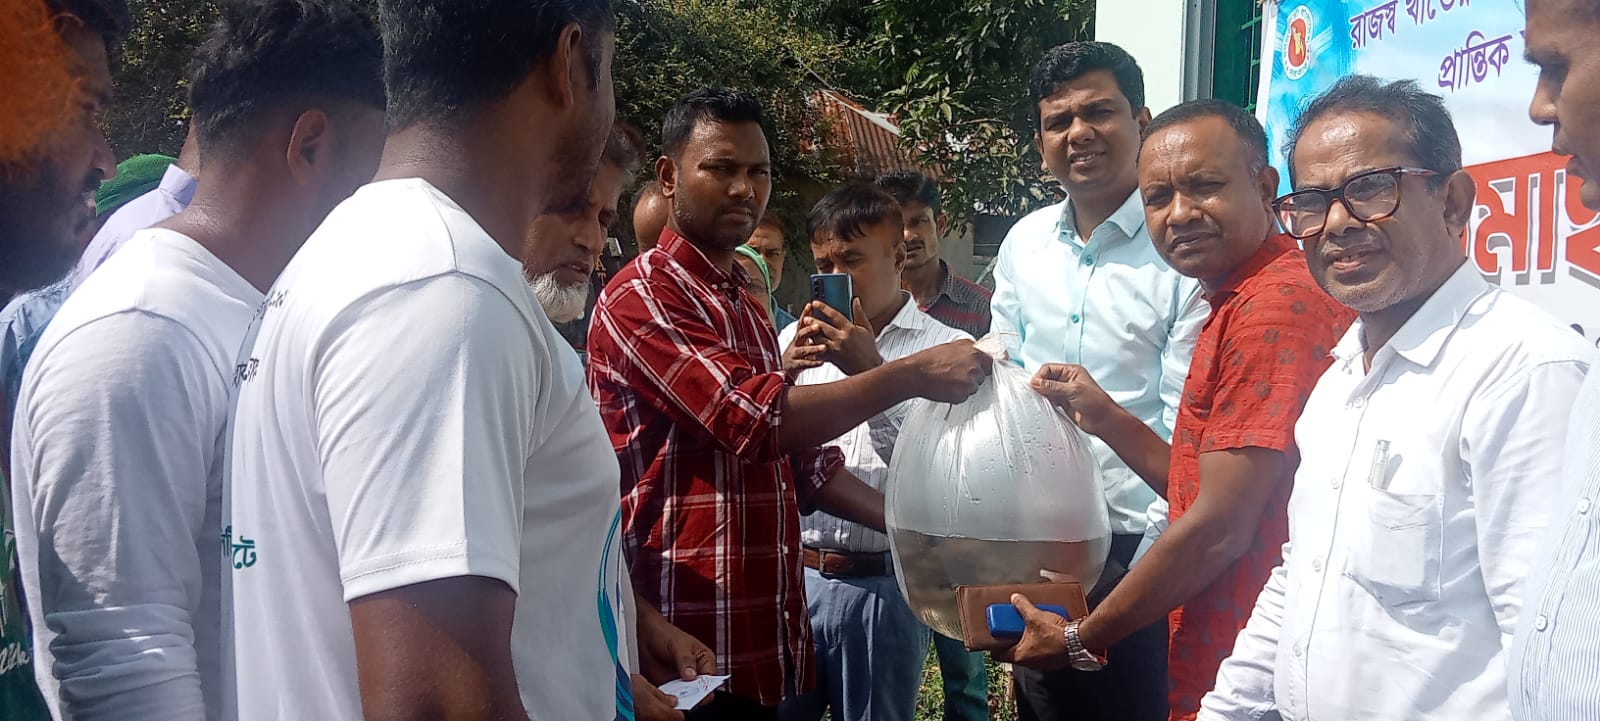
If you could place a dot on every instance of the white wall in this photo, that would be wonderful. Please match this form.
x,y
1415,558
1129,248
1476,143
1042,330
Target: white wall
x,y
1156,33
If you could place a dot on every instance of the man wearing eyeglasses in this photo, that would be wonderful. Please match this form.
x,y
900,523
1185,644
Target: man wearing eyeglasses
x,y
1206,189
1430,449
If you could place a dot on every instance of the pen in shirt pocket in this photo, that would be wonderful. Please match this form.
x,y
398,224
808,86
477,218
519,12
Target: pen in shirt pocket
x,y
1378,476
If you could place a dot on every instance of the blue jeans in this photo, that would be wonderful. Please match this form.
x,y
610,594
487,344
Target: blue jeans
x,y
870,648
966,680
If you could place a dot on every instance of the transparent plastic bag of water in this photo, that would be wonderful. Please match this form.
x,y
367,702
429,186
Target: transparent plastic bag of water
x,y
999,489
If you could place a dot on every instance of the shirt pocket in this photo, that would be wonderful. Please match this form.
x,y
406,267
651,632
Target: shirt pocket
x,y
1400,564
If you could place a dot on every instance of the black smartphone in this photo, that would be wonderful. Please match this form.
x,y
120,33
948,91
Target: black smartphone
x,y
835,290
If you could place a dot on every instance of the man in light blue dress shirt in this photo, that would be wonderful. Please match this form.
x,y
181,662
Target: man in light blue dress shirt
x,y
1553,672
1081,283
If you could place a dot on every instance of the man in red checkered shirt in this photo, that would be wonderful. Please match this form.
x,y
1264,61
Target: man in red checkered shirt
x,y
1207,191
719,453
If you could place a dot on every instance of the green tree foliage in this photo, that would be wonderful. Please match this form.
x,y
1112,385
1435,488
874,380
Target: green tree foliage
x,y
150,112
955,74
952,71
666,48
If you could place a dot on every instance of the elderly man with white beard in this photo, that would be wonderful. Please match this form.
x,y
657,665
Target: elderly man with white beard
x,y
563,245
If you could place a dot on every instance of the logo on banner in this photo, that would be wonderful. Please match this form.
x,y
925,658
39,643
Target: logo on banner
x,y
1297,49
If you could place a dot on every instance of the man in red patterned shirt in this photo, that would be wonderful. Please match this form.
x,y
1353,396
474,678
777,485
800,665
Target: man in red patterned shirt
x,y
1207,192
719,453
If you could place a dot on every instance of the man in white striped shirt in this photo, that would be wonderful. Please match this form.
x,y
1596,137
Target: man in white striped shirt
x,y
870,646
1553,659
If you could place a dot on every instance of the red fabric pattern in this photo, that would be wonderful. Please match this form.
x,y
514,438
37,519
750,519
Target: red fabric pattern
x,y
686,369
1259,355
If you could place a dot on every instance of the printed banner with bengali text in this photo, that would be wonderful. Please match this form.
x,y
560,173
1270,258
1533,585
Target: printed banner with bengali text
x,y
1529,233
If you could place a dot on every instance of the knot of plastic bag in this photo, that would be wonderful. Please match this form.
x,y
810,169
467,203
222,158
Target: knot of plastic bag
x,y
995,345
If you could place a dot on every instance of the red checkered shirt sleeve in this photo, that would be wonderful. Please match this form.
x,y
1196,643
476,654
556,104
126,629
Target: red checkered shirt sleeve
x,y
685,368
669,358
812,469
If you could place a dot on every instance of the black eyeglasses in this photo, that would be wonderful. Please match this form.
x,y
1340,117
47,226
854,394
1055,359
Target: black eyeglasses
x,y
1369,197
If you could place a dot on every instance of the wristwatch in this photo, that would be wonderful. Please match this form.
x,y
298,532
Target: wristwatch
x,y
1081,659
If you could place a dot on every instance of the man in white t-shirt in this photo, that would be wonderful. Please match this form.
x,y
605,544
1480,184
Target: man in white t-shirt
x,y
424,503
118,452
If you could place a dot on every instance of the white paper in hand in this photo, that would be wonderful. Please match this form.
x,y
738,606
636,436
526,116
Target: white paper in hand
x,y
690,693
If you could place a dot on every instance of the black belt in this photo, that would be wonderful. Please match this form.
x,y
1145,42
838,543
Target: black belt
x,y
846,564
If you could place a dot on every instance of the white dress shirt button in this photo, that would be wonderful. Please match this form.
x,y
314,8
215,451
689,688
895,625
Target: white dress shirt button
x,y
1541,623
1358,403
1316,565
1583,505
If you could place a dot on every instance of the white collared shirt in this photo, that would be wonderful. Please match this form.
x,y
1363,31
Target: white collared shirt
x,y
1110,304
868,447
1421,496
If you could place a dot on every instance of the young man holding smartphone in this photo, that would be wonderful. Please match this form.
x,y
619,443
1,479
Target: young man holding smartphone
x,y
858,615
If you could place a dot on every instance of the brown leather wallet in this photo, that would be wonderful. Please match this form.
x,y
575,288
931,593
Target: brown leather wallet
x,y
973,604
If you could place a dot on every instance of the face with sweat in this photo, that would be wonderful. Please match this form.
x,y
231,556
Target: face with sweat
x,y
1089,135
719,183
1207,205
560,251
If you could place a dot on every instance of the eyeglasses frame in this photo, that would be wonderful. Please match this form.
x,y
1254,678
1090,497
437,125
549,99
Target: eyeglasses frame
x,y
1338,194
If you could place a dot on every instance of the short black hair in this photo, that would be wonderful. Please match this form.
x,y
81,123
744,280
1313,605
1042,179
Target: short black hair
x,y
912,187
262,54
110,19
1421,116
1064,63
848,210
444,56
1244,125
624,148
717,104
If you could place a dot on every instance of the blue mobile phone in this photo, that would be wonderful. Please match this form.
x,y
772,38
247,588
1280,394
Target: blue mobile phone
x,y
836,290
1005,622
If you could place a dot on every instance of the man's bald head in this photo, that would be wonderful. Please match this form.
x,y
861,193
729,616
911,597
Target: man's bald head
x,y
650,211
